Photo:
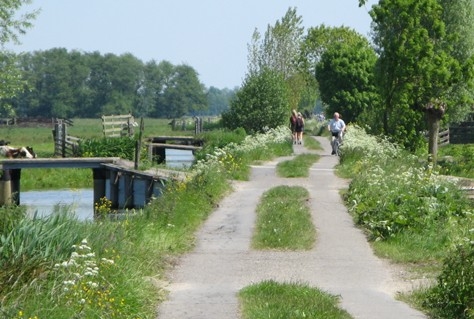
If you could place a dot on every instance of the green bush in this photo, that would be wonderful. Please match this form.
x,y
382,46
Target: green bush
x,y
219,139
10,215
453,296
33,245
261,103
123,147
393,190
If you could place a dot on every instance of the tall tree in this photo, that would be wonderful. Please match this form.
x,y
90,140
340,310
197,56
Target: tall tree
x,y
317,41
219,100
260,104
345,75
11,27
279,50
458,17
186,94
416,69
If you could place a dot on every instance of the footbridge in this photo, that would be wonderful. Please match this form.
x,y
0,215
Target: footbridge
x,y
113,178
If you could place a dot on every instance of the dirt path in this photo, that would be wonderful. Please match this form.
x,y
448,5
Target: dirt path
x,y
205,282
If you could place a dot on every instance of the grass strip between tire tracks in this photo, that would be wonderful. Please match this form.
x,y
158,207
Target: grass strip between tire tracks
x,y
284,220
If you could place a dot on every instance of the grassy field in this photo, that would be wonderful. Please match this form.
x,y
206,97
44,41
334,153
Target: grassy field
x,y
40,137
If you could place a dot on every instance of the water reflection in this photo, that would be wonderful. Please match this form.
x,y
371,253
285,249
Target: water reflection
x,y
77,201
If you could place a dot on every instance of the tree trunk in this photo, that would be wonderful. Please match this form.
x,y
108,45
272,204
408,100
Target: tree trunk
x,y
434,112
433,131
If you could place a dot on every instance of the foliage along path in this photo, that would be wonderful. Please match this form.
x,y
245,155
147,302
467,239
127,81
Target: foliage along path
x,y
206,281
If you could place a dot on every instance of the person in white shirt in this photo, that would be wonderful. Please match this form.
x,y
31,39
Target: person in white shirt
x,y
336,126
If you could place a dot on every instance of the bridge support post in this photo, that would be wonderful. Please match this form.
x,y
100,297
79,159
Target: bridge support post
x,y
99,175
5,188
15,175
113,183
126,191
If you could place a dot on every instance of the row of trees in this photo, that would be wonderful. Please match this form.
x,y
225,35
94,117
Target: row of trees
x,y
61,83
415,73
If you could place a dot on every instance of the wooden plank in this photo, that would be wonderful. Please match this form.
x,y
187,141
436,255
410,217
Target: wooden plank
x,y
72,162
173,138
174,146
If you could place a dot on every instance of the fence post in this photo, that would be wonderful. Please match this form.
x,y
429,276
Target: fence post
x,y
197,125
63,139
59,139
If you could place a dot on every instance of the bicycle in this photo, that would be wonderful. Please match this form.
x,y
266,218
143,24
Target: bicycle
x,y
336,143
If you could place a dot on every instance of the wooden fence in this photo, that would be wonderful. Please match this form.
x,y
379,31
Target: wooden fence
x,y
7,121
462,133
443,137
459,134
64,144
118,125
195,123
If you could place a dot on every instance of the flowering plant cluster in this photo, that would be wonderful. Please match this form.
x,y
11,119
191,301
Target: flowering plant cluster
x,y
227,158
395,191
103,207
83,288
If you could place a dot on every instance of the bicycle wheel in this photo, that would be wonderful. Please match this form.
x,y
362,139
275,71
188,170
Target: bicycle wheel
x,y
337,145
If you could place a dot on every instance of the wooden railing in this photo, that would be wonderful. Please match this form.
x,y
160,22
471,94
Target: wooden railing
x,y
443,137
118,125
462,133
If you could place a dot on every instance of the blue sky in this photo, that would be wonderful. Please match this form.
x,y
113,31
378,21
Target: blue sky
x,y
209,35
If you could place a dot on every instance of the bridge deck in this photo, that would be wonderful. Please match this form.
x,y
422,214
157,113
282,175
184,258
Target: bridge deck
x,y
72,162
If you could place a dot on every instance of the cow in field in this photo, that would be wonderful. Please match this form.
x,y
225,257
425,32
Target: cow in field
x,y
20,152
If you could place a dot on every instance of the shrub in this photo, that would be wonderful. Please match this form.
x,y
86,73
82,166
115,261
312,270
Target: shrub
x,y
260,104
393,190
10,215
453,296
123,147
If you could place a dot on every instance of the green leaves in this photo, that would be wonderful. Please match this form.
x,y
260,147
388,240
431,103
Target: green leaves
x,y
261,104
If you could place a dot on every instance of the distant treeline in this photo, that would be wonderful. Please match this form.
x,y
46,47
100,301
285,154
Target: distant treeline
x,y
62,83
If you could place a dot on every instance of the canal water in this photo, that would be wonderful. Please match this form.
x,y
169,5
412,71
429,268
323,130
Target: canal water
x,y
80,201
43,203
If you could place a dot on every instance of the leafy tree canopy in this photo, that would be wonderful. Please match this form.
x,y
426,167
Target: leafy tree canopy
x,y
260,104
11,27
417,68
345,74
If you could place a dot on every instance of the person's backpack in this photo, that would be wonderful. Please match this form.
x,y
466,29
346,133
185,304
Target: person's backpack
x,y
299,122
294,120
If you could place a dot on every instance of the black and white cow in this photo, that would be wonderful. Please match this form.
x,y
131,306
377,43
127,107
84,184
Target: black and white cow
x,y
20,152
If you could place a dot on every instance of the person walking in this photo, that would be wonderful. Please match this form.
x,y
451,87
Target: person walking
x,y
336,126
299,128
293,117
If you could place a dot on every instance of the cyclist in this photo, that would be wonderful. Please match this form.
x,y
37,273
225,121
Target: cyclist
x,y
336,126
